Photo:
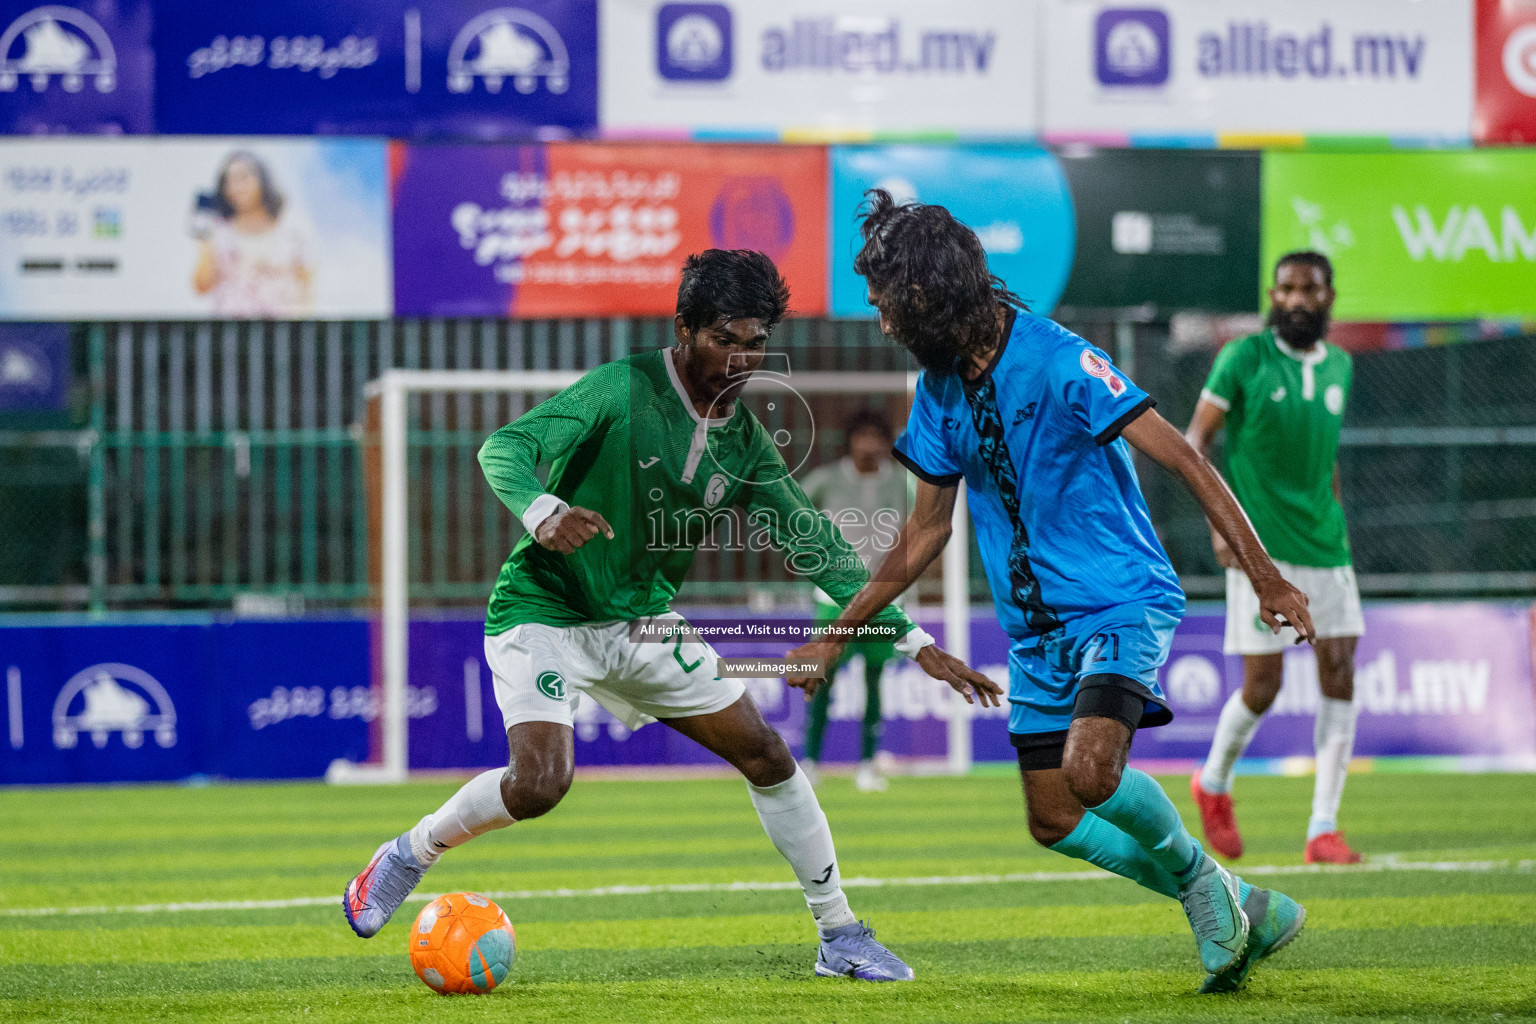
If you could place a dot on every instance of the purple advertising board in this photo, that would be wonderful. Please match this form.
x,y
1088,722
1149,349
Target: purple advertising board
x,y
76,67
1431,679
136,700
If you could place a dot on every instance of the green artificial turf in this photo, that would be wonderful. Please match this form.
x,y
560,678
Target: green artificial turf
x,y
1456,941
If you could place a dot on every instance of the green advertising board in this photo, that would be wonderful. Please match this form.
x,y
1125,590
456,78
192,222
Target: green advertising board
x,y
1175,228
1412,236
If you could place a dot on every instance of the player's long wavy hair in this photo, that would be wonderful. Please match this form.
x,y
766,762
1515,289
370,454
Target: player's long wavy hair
x,y
929,275
721,285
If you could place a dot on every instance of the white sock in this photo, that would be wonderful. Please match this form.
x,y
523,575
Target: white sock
x,y
1234,729
477,808
795,822
1334,738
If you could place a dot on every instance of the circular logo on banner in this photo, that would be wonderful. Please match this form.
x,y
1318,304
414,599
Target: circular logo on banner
x,y
694,42
1520,60
753,213
552,685
1193,683
1132,48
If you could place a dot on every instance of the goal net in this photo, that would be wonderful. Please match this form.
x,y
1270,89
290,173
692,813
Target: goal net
x,y
438,537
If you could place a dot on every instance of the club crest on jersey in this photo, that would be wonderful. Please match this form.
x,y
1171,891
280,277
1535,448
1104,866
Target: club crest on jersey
x,y
552,685
1100,368
714,490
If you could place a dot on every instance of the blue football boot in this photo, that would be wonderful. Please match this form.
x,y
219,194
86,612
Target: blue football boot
x,y
851,951
1275,919
1215,914
376,893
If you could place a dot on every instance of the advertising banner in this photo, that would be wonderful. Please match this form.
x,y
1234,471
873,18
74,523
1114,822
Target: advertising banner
x,y
1175,228
131,703
1305,67
1413,236
227,228
467,68
1016,199
597,230
1506,72
119,702
76,67
1430,679
820,68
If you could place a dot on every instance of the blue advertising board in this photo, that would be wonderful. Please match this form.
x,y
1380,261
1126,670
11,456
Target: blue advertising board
x,y
1016,199
461,68
76,67
131,702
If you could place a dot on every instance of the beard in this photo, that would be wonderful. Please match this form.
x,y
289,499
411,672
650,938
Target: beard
x,y
1298,328
935,355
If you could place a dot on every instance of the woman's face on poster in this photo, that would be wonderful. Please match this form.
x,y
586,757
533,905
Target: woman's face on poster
x,y
242,186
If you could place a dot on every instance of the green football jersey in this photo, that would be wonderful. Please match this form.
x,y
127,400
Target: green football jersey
x,y
1284,412
625,442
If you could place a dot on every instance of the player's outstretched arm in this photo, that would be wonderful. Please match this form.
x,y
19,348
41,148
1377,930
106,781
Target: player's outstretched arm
x,y
923,537
1209,418
1279,602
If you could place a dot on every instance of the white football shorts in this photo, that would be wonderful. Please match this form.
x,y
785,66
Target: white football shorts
x,y
541,673
1333,599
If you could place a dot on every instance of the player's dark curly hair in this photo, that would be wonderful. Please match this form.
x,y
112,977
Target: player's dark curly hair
x,y
720,285
1308,258
929,274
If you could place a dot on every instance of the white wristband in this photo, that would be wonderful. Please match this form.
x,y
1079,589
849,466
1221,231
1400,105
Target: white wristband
x,y
913,642
541,508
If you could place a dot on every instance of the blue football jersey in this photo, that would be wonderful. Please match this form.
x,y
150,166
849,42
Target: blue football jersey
x,y
1060,520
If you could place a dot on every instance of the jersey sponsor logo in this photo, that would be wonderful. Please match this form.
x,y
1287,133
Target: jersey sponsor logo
x,y
1277,395
714,491
551,685
648,463
1333,399
1026,413
1100,368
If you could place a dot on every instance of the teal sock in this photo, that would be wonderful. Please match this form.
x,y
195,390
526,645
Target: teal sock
x,y
1141,810
1100,843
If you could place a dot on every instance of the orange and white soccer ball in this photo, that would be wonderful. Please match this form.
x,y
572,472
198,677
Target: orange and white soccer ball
x,y
462,943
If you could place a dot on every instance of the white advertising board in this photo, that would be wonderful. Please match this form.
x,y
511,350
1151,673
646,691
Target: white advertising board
x,y
1307,67
819,68
233,228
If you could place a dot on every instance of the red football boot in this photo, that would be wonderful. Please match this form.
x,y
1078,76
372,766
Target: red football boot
x,y
1330,848
1217,820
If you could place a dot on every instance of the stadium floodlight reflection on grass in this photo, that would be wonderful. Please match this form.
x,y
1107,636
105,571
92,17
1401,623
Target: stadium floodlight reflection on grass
x,y
390,415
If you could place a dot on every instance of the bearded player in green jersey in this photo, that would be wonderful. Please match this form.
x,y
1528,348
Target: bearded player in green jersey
x,y
1280,394
643,453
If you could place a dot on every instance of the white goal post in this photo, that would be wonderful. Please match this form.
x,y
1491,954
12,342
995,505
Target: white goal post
x,y
394,387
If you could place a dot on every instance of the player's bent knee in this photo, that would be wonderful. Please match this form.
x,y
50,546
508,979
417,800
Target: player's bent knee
x,y
769,764
1092,779
1048,830
533,789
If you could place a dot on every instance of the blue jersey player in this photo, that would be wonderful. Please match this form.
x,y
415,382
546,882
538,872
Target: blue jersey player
x,y
1036,421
